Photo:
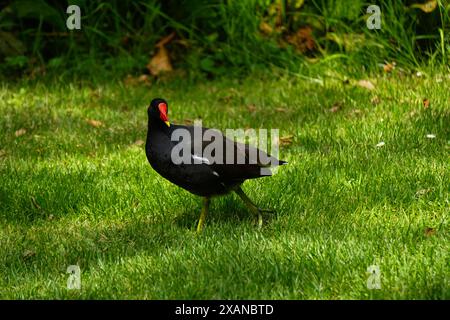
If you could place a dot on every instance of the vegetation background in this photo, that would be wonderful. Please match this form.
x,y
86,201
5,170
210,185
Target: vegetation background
x,y
364,119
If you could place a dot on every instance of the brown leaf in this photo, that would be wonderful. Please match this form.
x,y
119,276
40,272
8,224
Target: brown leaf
x,y
366,84
302,40
165,40
426,103
265,28
20,132
429,231
388,67
139,142
427,7
188,121
160,62
336,107
94,123
286,140
251,108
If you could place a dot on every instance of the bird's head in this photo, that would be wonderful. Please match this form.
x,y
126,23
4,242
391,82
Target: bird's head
x,y
158,110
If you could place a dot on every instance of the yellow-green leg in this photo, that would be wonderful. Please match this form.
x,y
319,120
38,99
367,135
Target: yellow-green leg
x,y
251,206
202,219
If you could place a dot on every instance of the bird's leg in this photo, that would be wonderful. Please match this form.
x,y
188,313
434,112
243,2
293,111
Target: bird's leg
x,y
201,221
251,206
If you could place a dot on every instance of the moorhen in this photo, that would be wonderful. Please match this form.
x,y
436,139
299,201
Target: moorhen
x,y
192,163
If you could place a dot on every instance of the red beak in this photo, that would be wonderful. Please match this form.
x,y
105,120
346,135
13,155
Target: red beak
x,y
163,112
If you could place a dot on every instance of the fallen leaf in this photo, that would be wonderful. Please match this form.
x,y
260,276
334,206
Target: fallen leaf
x,y
50,217
388,67
429,231
265,28
286,140
336,107
94,123
355,112
282,110
422,192
431,136
28,254
251,108
188,121
139,142
375,100
20,132
302,40
426,103
427,7
165,40
160,62
366,84
380,144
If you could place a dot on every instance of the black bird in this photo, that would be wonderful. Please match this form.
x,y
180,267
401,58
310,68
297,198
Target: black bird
x,y
204,166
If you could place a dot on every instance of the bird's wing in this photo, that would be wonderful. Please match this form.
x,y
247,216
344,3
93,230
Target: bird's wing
x,y
228,159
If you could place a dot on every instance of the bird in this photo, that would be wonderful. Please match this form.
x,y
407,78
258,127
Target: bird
x,y
204,167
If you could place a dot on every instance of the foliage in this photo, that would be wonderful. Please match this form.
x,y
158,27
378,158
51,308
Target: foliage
x,y
214,37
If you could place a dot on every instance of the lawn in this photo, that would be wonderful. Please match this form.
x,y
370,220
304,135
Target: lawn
x,y
76,189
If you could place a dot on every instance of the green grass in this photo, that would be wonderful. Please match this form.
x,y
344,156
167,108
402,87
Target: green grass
x,y
71,193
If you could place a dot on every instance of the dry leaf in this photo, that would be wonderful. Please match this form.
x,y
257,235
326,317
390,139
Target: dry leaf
x,y
286,140
20,132
28,254
336,107
388,67
139,142
165,40
94,123
422,192
355,112
429,231
426,103
283,110
302,40
431,136
160,62
380,144
251,108
265,28
427,7
375,100
366,84
188,121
